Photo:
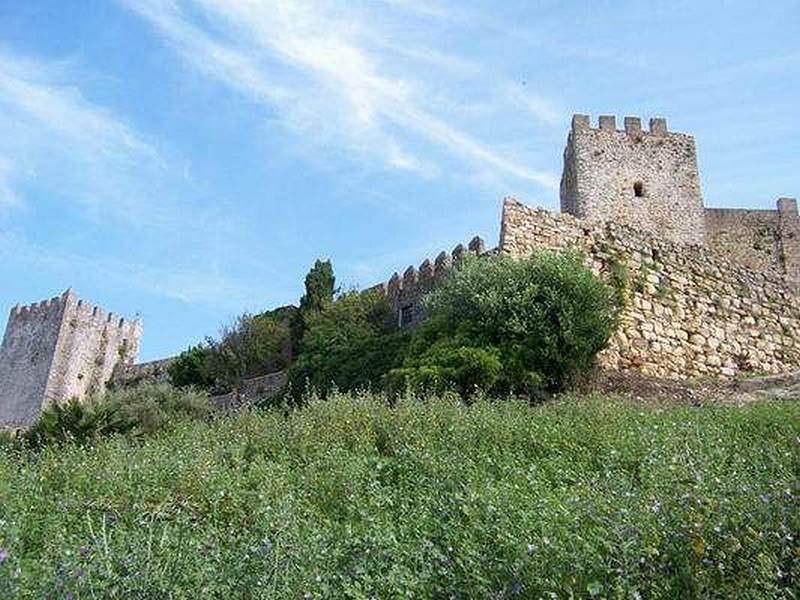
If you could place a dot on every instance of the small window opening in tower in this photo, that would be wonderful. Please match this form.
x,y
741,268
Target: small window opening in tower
x,y
638,189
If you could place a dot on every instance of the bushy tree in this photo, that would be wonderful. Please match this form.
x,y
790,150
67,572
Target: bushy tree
x,y
320,290
320,287
348,344
190,368
249,347
504,325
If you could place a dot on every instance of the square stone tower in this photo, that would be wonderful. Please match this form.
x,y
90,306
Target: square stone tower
x,y
646,179
59,349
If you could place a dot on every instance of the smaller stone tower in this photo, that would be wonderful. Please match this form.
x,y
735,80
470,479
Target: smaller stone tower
x,y
646,179
59,349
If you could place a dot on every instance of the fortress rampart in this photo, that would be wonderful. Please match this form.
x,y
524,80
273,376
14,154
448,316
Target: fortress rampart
x,y
708,291
688,312
406,293
59,349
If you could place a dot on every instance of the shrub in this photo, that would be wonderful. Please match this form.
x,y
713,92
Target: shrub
x,y
144,409
349,344
251,346
190,368
349,498
76,421
447,367
538,322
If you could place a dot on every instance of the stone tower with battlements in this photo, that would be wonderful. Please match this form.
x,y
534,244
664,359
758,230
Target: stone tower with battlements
x,y
646,179
59,349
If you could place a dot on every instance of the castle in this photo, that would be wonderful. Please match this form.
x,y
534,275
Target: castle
x,y
707,292
59,349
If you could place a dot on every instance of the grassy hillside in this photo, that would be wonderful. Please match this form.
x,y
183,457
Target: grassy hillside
x,y
349,498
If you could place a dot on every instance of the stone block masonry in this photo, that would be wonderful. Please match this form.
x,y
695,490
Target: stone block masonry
x,y
59,349
647,179
688,311
758,239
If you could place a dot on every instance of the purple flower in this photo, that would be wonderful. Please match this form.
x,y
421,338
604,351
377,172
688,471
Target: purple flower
x,y
3,555
84,551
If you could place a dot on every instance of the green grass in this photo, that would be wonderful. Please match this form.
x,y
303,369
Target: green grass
x,y
352,499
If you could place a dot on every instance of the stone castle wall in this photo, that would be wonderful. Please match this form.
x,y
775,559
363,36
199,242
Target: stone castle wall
x,y
60,349
757,239
688,311
26,357
646,179
407,292
154,371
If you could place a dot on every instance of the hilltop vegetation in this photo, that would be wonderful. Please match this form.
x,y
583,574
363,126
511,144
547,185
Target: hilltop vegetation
x,y
352,498
494,325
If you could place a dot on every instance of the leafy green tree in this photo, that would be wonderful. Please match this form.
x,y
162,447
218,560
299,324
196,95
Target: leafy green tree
x,y
190,368
503,325
251,346
348,344
320,287
320,284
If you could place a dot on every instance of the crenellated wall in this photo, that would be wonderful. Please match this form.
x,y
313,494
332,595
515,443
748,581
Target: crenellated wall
x,y
688,311
406,293
647,179
59,349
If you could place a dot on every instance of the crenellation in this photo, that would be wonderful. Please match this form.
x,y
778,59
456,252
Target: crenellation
x,y
426,271
633,126
443,262
608,122
395,285
580,122
477,245
658,126
787,206
459,253
58,349
410,278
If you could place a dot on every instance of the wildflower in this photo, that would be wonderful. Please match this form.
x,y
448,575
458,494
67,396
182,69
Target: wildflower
x,y
3,555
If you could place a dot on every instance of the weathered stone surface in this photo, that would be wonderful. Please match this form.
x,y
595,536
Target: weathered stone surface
x,y
646,179
708,315
59,349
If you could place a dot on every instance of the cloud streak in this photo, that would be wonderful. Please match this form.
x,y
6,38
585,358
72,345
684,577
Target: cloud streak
x,y
47,125
325,74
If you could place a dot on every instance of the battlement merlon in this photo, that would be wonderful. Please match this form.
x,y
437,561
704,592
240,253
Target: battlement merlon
x,y
633,125
416,279
787,206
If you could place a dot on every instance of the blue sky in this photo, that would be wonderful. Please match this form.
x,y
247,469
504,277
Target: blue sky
x,y
187,160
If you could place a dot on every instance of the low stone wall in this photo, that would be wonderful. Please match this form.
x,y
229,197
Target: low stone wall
x,y
251,390
688,312
155,371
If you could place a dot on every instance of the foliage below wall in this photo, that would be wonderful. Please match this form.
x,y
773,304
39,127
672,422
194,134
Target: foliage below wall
x,y
432,498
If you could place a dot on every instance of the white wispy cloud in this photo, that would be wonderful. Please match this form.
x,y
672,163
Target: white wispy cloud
x,y
319,66
51,134
62,153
